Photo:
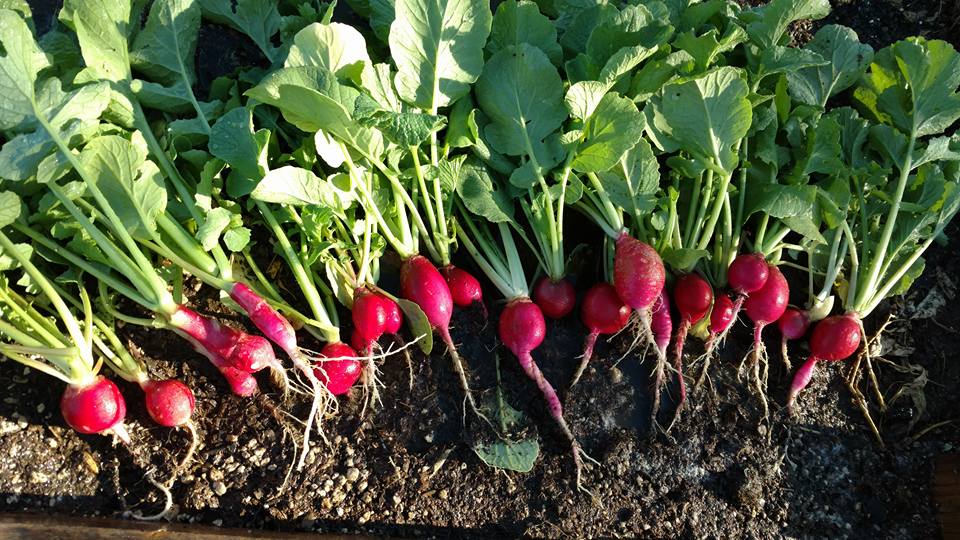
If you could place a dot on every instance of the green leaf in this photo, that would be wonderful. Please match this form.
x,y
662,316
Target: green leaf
x,y
506,453
258,19
938,149
133,185
377,80
382,13
462,130
103,29
20,63
418,324
337,47
912,85
624,61
522,22
648,80
789,60
632,184
237,239
846,58
166,46
821,152
705,48
521,93
232,140
402,128
612,130
215,222
683,259
768,24
437,46
706,115
634,25
482,196
299,187
9,208
781,201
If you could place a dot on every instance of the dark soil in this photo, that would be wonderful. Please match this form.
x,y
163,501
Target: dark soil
x,y
407,470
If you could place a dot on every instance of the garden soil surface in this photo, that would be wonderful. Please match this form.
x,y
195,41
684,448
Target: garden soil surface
x,y
408,468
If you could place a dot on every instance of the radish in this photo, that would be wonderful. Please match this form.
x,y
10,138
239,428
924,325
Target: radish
x,y
95,407
834,338
793,324
369,315
721,318
338,368
422,284
638,276
522,329
602,312
556,299
746,275
169,402
693,297
764,306
661,325
394,318
465,289
237,349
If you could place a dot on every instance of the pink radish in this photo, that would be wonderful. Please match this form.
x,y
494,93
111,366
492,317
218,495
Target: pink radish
x,y
369,314
268,320
340,369
237,349
95,407
556,299
661,326
793,324
764,306
522,329
422,284
394,317
748,273
464,287
602,312
834,338
638,276
721,317
169,402
693,297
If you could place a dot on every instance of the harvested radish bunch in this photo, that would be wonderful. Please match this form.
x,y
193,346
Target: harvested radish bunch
x,y
603,313
556,299
793,324
693,297
834,338
764,306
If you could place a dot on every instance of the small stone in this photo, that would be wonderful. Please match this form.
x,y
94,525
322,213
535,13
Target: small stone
x,y
339,511
40,408
219,488
362,486
444,494
217,523
353,474
215,475
52,443
396,499
428,437
616,376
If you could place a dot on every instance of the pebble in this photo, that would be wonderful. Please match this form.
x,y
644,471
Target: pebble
x,y
219,488
353,474
215,474
444,494
362,486
396,499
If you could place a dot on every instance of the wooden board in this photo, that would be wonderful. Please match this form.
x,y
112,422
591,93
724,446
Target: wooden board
x,y
946,492
42,527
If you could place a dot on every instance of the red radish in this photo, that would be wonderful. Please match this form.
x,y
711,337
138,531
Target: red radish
x,y
793,324
369,316
95,407
747,273
241,383
464,288
661,325
169,402
764,306
638,275
340,369
693,297
522,329
834,338
556,299
422,284
602,312
394,316
721,317
237,349
268,320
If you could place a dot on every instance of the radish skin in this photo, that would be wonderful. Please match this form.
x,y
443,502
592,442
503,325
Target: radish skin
x,y
95,407
721,318
170,403
522,329
834,338
639,276
422,284
602,312
465,289
556,299
237,349
339,368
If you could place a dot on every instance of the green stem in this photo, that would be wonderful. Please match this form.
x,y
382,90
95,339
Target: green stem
x,y
187,244
694,208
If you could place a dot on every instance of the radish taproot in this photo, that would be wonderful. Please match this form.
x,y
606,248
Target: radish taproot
x,y
661,324
556,299
603,313
793,324
834,338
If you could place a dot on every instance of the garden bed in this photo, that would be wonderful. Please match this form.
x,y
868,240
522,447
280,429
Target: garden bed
x,y
409,470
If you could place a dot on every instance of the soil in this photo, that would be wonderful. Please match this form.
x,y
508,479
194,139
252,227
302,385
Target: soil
x,y
408,469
